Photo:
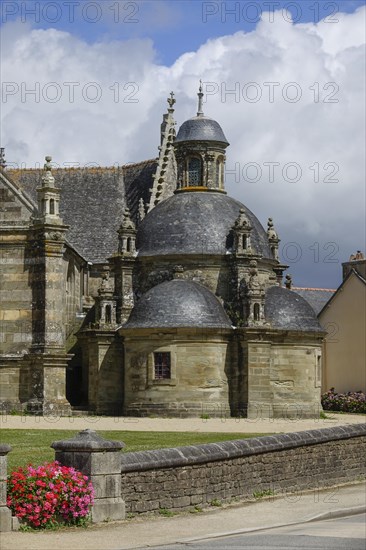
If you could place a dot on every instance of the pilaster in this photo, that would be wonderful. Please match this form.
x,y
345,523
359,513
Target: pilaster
x,y
123,265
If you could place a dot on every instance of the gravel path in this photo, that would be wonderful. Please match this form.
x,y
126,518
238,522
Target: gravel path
x,y
228,425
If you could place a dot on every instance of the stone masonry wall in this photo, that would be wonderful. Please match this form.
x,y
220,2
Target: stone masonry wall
x,y
200,375
284,378
196,475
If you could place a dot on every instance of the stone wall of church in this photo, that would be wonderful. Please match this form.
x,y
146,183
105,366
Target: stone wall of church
x,y
15,267
15,296
75,283
201,371
284,377
22,314
220,275
215,274
102,371
226,277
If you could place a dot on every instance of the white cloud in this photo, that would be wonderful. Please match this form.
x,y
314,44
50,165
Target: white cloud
x,y
347,33
323,130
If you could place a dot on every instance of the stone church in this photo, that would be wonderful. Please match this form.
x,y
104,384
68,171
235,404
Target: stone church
x,y
145,289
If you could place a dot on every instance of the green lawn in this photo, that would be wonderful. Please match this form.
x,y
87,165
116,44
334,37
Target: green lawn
x,y
33,446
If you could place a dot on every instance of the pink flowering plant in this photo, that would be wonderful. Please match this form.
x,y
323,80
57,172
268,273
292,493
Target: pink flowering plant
x,y
41,496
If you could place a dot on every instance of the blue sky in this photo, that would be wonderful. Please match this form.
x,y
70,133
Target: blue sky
x,y
174,26
146,49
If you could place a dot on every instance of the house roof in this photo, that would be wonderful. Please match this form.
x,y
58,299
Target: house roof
x,y
316,297
352,273
92,201
138,181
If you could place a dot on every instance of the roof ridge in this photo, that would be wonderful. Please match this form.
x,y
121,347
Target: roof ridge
x,y
353,270
310,288
128,164
56,168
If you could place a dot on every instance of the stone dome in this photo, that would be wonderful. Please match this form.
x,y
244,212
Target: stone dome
x,y
178,303
286,310
201,128
196,223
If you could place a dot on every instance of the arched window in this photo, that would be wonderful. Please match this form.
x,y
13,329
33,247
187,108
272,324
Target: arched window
x,y
108,314
129,244
52,206
256,312
245,242
194,171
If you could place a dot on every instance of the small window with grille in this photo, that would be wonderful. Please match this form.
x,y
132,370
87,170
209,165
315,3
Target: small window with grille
x,y
194,171
162,365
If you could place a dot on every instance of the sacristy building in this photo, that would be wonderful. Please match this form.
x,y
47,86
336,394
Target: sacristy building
x,y
146,289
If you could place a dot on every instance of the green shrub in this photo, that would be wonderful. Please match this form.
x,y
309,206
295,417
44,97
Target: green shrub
x,y
352,402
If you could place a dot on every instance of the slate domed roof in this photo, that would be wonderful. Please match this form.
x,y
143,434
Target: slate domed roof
x,y
196,223
178,303
201,128
286,310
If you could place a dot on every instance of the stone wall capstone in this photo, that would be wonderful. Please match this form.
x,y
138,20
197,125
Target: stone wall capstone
x,y
185,477
100,460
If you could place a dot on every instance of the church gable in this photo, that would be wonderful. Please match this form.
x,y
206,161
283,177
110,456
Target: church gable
x,y
15,207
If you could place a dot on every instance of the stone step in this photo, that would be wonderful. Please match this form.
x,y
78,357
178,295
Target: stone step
x,y
80,411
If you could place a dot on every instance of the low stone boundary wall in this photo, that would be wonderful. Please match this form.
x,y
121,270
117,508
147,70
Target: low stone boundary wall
x,y
185,477
198,475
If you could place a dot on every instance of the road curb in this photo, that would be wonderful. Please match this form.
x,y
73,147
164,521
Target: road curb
x,y
342,512
327,515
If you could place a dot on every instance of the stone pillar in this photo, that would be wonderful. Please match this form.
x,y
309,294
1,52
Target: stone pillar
x,y
100,460
103,363
5,512
47,358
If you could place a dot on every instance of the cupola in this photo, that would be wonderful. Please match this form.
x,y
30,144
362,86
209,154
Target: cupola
x,y
200,152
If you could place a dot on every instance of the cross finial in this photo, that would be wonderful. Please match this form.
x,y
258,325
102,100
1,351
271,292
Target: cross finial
x,y
200,98
171,101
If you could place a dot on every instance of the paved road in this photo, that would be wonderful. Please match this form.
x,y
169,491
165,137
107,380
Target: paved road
x,y
348,533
